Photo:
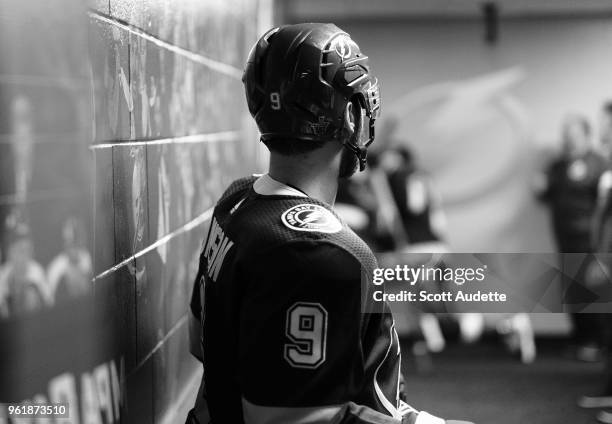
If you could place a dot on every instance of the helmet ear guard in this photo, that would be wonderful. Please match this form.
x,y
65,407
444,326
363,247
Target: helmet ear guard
x,y
354,141
370,102
372,106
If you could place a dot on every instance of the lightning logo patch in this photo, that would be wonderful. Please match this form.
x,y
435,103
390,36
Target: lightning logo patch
x,y
311,218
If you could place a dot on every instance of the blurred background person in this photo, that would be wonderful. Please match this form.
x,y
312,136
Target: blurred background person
x,y
569,188
69,273
411,196
599,272
393,206
23,145
416,200
23,286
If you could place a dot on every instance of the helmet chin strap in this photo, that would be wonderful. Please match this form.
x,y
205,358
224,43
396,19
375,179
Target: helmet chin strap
x,y
353,143
360,152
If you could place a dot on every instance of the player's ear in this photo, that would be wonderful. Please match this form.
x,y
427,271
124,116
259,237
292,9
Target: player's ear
x,y
349,117
353,117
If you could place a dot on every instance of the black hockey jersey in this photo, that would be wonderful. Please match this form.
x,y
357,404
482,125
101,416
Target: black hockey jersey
x,y
413,194
417,219
572,194
290,333
602,228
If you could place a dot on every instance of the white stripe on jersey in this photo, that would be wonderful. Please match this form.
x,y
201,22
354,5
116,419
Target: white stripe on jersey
x,y
381,396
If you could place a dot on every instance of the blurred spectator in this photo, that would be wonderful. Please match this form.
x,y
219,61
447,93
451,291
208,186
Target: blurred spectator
x,y
16,158
599,271
23,287
421,218
69,274
358,204
392,206
23,144
570,186
417,203
570,190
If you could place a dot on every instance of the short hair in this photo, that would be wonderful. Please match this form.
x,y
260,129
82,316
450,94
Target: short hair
x,y
293,147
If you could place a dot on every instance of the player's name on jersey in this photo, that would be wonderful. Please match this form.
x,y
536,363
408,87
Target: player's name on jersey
x,y
216,247
445,296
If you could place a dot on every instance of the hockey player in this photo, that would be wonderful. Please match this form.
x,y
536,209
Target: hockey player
x,y
599,272
570,187
288,331
570,190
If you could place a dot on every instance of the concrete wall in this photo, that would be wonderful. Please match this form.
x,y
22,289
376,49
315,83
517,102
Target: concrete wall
x,y
126,121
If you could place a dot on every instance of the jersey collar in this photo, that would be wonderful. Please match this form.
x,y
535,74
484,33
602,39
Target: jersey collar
x,y
268,186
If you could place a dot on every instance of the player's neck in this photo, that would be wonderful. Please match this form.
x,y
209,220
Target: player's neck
x,y
317,179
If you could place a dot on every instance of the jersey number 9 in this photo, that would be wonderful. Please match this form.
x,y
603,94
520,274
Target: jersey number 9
x,y
307,329
275,100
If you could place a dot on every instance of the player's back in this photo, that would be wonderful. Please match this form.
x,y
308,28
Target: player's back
x,y
285,291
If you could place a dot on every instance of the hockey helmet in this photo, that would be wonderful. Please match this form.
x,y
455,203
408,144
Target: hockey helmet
x,y
299,80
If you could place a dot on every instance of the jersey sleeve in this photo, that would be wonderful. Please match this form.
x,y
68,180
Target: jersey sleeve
x,y
301,357
195,304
